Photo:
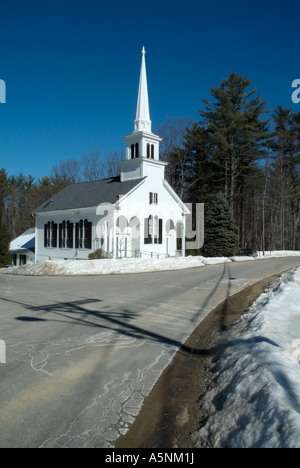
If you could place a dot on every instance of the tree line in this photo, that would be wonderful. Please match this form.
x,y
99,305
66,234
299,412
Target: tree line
x,y
246,155
21,195
239,159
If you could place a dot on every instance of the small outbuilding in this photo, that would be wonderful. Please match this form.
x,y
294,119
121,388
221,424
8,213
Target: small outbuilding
x,y
22,249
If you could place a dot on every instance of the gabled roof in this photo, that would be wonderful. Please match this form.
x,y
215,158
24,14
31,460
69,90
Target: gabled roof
x,y
88,194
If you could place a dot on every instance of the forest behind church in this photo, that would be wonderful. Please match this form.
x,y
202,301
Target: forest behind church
x,y
238,149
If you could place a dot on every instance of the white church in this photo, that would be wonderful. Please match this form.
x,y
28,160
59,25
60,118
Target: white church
x,y
136,214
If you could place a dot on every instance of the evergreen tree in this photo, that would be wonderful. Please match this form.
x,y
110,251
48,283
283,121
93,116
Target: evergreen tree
x,y
284,190
229,141
5,258
220,229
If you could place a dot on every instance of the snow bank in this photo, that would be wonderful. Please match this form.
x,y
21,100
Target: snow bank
x,y
128,265
103,267
255,401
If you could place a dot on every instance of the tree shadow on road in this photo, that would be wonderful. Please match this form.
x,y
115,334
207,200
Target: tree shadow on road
x,y
90,312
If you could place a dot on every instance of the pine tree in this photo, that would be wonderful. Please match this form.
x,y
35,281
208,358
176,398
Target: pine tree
x,y
5,258
220,229
284,181
229,141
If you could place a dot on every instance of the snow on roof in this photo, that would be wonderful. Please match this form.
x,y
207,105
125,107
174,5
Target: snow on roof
x,y
24,242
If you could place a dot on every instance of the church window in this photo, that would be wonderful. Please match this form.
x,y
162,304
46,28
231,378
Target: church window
x,y
70,235
65,235
87,234
47,238
153,198
50,234
83,234
152,151
148,150
134,151
148,230
153,228
62,235
157,230
78,234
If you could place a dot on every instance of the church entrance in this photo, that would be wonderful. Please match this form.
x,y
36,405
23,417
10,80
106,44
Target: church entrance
x,y
127,237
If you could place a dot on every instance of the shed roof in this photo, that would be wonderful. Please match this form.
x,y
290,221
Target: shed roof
x,y
25,241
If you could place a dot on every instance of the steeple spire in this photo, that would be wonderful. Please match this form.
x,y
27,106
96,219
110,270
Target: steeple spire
x,y
142,121
142,146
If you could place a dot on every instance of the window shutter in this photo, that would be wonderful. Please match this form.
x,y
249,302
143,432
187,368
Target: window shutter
x,y
160,228
54,235
70,235
147,235
87,234
60,228
77,236
45,235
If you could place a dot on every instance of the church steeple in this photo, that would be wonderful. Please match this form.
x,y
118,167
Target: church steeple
x,y
142,121
142,146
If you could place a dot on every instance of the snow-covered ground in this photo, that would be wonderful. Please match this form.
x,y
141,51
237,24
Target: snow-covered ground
x,y
129,265
255,399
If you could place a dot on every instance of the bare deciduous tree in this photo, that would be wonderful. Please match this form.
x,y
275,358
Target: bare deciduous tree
x,y
173,150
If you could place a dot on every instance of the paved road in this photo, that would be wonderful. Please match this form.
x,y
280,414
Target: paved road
x,y
82,353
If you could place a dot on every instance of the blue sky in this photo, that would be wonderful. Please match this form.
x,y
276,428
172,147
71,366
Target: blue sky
x,y
71,68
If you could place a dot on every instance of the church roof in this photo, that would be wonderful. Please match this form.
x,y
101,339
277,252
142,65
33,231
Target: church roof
x,y
88,194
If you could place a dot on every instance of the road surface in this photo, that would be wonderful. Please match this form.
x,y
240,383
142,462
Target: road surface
x,y
82,353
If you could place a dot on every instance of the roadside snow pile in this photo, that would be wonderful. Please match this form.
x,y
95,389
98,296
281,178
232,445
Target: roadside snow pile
x,y
268,254
128,265
255,401
104,267
281,253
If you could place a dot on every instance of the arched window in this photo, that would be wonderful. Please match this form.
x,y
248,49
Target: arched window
x,y
121,224
148,150
87,234
50,234
65,235
136,150
169,226
153,230
132,151
69,235
83,235
152,151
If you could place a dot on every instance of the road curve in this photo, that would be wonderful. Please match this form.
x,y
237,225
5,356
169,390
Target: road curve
x,y
82,353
